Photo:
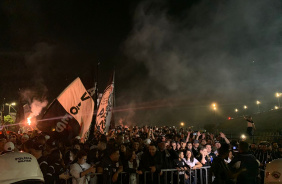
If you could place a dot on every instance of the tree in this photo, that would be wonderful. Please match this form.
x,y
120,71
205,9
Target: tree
x,y
8,120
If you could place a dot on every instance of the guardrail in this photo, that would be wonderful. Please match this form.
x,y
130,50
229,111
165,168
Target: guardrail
x,y
168,176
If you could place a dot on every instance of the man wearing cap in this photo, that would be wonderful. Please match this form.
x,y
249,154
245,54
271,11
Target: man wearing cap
x,y
248,161
195,149
151,161
37,152
9,147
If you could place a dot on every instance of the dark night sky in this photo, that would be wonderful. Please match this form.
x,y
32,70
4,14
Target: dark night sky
x,y
172,58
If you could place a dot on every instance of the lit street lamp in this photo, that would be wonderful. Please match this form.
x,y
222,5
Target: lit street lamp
x,y
182,124
214,109
258,102
276,107
11,105
245,108
236,111
214,106
278,96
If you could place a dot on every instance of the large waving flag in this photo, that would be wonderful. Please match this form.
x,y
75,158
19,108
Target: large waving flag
x,y
70,114
104,113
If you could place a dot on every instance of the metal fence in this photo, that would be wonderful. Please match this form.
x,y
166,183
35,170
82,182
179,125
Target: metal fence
x,y
168,176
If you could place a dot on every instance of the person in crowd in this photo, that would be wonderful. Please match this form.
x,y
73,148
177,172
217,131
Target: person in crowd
x,y
13,139
250,126
167,156
183,145
245,160
95,155
217,146
130,166
173,145
81,170
264,156
196,148
219,168
203,157
191,160
210,152
8,147
36,150
151,161
253,149
230,157
71,154
110,167
56,172
181,166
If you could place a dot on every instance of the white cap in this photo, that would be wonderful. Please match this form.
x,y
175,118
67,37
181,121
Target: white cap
x,y
19,166
47,137
9,146
25,136
147,141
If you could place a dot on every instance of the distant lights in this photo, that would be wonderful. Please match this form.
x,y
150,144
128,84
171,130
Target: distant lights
x,y
276,107
245,107
258,102
214,106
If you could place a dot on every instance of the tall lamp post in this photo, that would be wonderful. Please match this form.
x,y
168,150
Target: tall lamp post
x,y
245,108
236,111
11,105
258,102
214,109
278,96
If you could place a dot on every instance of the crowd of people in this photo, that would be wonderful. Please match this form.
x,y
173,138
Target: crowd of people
x,y
137,151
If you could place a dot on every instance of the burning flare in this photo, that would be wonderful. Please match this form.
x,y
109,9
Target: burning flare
x,y
28,121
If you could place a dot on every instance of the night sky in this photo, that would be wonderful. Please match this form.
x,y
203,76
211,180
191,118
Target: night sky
x,y
172,58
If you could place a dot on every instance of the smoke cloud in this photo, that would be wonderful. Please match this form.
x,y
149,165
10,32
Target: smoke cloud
x,y
224,51
36,107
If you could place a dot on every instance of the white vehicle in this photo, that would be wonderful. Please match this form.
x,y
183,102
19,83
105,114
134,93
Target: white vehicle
x,y
19,167
273,172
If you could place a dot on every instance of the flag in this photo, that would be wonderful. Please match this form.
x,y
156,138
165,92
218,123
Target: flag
x,y
104,113
70,114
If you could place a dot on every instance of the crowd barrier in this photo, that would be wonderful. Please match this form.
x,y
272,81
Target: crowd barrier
x,y
169,176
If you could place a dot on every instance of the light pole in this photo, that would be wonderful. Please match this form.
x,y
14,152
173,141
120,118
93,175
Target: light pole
x,y
245,108
11,105
258,102
214,109
236,111
278,96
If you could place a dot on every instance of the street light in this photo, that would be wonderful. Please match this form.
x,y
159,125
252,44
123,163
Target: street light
x,y
214,106
276,107
245,107
11,105
278,96
258,102
182,124
236,111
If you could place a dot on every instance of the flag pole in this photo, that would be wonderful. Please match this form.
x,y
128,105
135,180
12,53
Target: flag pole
x,y
93,123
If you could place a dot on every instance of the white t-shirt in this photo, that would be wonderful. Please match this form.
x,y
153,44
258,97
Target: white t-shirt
x,y
75,170
191,164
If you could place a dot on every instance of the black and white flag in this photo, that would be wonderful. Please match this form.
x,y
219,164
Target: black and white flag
x,y
70,114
